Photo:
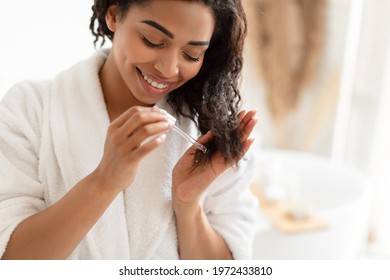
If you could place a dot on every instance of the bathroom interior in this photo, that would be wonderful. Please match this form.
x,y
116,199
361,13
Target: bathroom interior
x,y
318,71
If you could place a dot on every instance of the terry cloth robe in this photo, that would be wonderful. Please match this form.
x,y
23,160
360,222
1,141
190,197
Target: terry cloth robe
x,y
52,135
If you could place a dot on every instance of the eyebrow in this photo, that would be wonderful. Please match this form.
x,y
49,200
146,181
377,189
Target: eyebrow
x,y
198,43
159,27
170,34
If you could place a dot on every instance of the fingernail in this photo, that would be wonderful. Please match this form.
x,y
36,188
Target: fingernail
x,y
161,138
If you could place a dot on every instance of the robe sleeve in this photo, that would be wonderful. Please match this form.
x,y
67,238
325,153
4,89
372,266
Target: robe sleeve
x,y
21,193
231,208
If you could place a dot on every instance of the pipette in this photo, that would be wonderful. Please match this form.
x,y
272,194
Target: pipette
x,y
179,131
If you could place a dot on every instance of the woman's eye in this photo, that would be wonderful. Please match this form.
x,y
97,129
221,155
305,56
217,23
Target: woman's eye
x,y
150,44
191,58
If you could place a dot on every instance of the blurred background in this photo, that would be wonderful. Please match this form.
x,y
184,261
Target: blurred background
x,y
319,73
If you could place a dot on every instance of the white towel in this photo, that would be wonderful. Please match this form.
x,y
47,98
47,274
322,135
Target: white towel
x,y
52,135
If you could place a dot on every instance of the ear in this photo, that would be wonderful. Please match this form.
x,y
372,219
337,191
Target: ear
x,y
112,17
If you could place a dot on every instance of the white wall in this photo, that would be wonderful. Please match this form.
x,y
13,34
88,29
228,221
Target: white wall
x,y
40,38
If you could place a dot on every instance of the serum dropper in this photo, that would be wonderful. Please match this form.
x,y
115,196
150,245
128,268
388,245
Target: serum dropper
x,y
183,134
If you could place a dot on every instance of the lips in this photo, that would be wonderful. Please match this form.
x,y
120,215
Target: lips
x,y
153,82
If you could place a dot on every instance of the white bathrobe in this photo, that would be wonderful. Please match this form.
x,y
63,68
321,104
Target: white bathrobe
x,y
52,135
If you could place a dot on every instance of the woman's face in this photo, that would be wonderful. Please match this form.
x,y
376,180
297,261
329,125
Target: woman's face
x,y
160,46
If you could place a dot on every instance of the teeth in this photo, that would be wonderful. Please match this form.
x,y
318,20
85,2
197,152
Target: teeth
x,y
153,83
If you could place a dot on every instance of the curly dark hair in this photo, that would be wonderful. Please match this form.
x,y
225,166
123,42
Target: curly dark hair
x,y
214,99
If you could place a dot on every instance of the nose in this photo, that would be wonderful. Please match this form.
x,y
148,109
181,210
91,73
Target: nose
x,y
168,65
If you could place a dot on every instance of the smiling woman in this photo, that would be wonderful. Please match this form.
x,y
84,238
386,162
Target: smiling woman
x,y
89,168
158,50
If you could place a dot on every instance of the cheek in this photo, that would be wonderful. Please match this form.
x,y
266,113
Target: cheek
x,y
190,71
131,51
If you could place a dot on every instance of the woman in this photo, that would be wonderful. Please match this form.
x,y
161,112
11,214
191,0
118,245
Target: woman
x,y
80,177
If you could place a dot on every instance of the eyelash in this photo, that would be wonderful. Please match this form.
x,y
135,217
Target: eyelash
x,y
194,59
150,44
156,46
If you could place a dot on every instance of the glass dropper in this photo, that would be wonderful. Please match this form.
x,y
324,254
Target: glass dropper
x,y
183,134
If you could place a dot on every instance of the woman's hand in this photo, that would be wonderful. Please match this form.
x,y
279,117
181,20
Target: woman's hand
x,y
189,183
124,147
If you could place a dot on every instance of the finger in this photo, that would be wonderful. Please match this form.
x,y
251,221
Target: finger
x,y
140,152
203,139
245,118
247,144
248,117
124,117
136,117
247,130
119,121
241,115
139,120
145,133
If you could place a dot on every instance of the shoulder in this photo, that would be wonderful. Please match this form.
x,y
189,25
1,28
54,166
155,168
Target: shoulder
x,y
26,96
84,69
22,111
32,94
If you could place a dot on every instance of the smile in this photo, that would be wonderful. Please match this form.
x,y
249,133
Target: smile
x,y
153,83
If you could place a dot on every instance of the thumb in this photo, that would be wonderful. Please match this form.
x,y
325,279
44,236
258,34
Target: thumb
x,y
203,139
